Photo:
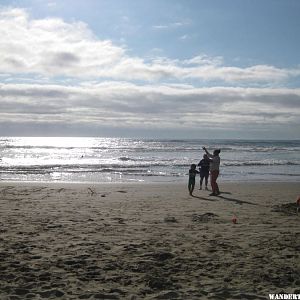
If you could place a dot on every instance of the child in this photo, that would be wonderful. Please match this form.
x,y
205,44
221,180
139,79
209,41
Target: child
x,y
204,170
192,176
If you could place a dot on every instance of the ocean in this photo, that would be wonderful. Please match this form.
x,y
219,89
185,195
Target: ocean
x,y
76,159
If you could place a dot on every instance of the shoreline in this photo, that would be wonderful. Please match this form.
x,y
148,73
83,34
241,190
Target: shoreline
x,y
148,241
183,182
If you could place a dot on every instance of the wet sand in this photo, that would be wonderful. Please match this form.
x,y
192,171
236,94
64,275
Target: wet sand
x,y
148,241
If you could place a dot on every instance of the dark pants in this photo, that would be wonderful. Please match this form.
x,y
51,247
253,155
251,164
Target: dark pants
x,y
213,181
202,176
191,185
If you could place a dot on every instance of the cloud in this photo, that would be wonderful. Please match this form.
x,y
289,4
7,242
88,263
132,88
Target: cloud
x,y
170,25
60,77
184,37
64,59
164,106
52,47
202,60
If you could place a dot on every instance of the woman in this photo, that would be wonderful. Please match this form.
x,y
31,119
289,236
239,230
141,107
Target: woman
x,y
214,168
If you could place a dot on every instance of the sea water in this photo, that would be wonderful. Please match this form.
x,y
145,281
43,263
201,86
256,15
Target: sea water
x,y
77,159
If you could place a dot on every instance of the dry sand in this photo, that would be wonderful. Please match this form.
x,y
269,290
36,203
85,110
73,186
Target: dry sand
x,y
148,241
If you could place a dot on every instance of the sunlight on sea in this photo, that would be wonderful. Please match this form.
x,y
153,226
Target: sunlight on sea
x,y
125,160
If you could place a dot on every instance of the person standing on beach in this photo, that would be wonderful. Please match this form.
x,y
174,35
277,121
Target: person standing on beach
x,y
214,168
192,178
204,170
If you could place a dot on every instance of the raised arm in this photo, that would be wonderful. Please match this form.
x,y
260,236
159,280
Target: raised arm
x,y
208,154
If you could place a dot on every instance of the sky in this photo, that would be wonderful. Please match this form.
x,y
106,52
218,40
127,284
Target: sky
x,y
150,68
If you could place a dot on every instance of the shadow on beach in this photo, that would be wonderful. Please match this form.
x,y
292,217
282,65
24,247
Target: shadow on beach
x,y
202,198
235,200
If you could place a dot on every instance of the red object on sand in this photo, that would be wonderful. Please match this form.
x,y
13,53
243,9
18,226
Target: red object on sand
x,y
234,220
298,201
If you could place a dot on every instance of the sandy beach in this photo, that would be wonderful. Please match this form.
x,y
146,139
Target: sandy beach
x,y
148,241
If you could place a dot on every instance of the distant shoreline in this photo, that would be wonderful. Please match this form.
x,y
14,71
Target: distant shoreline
x,y
146,183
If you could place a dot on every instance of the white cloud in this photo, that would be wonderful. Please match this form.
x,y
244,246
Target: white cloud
x,y
51,4
204,60
170,25
52,47
53,74
126,104
184,37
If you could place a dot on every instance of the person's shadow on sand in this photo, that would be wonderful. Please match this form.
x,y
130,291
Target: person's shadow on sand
x,y
202,198
237,201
